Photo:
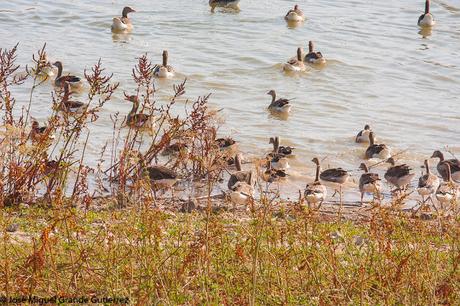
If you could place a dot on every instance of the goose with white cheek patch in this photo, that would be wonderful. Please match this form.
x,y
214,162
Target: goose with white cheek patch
x,y
281,105
381,151
426,19
315,193
442,166
295,64
314,57
369,183
123,24
295,15
164,70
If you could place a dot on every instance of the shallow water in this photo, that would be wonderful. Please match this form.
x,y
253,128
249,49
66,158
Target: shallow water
x,y
380,69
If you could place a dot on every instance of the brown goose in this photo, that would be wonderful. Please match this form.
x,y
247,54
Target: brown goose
x,y
295,64
398,175
67,105
314,57
447,191
442,167
369,182
315,192
427,183
239,176
277,148
38,132
336,176
363,135
75,82
135,120
295,15
123,24
377,150
426,19
279,161
164,70
226,144
162,177
232,4
272,175
281,105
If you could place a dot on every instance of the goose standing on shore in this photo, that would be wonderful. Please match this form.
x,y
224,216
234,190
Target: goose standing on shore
x,y
447,191
135,120
363,135
315,193
75,82
442,166
427,183
314,57
295,15
240,184
398,175
123,24
426,19
377,150
239,175
227,145
164,70
295,64
281,105
335,176
369,182
231,4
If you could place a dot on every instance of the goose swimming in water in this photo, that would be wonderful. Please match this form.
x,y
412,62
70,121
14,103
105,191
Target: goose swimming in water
x,y
398,175
272,175
442,167
314,57
295,15
281,105
363,135
123,24
74,81
135,120
377,150
427,183
67,105
295,64
232,4
426,19
277,148
447,191
369,183
164,70
315,193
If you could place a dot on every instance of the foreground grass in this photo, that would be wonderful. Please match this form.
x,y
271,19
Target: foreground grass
x,y
288,257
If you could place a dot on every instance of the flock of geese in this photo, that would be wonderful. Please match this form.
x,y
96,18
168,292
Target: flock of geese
x,y
276,163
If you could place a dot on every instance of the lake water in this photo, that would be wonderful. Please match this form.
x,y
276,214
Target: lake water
x,y
381,70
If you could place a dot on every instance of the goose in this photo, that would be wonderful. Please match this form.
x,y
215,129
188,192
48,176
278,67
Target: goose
x,y
314,57
239,175
295,15
427,183
135,120
46,69
285,150
164,70
426,19
241,193
363,135
398,175
279,161
281,105
447,190
272,175
315,192
336,176
67,105
232,4
38,132
162,176
75,82
226,144
369,182
377,150
295,64
123,24
442,167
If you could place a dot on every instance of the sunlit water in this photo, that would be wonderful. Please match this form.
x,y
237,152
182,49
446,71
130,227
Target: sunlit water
x,y
381,70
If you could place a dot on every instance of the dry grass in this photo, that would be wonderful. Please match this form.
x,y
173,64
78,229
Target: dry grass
x,y
71,241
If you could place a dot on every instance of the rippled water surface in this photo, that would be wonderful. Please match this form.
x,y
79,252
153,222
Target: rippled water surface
x,y
381,70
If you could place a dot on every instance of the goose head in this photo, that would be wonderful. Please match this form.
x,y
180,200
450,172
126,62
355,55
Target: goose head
x,y
316,161
438,154
296,7
367,127
299,54
391,161
126,11
364,167
272,93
